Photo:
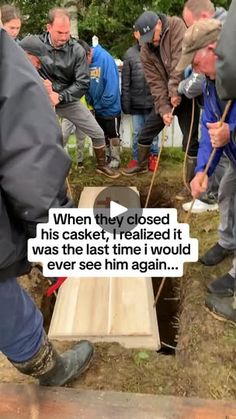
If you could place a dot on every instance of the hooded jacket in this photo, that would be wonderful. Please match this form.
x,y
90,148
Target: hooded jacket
x,y
160,63
104,91
67,69
136,97
33,163
213,110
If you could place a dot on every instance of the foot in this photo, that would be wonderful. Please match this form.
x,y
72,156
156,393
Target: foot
x,y
137,170
199,207
222,286
152,163
183,194
215,255
132,163
70,365
221,307
106,171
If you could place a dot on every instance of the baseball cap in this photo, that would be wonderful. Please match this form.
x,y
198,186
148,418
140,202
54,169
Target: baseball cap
x,y
146,24
198,36
33,45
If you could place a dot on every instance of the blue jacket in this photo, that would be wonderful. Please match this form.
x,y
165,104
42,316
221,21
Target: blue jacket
x,y
104,91
213,110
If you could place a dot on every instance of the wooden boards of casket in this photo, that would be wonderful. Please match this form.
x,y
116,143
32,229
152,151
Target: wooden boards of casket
x,y
106,309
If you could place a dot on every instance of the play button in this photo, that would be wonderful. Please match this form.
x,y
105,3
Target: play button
x,y
116,208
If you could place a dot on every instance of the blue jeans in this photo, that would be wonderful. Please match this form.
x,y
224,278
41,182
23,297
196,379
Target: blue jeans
x,y
21,323
138,122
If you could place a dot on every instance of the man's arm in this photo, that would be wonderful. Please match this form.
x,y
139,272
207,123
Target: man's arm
x,y
111,82
192,86
33,163
81,77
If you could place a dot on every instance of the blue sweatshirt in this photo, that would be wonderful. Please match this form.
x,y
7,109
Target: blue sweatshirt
x,y
213,110
104,91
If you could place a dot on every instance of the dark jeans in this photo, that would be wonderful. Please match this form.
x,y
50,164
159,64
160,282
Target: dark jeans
x,y
109,126
154,125
21,325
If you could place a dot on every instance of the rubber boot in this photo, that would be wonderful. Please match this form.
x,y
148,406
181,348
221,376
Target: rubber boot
x,y
114,153
142,166
190,168
53,369
100,153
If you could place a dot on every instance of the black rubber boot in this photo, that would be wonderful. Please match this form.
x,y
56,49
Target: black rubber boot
x,y
142,166
53,369
215,255
102,166
190,168
221,307
222,286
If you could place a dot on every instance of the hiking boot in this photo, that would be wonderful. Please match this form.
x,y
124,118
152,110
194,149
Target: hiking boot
x,y
53,369
114,153
222,286
221,307
152,163
102,167
142,166
215,255
199,207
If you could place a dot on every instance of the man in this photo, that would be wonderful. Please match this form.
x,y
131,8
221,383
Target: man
x,y
70,80
199,49
161,38
104,96
192,87
33,168
136,99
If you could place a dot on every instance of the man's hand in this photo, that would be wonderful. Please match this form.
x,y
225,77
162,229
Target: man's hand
x,y
175,101
54,98
219,133
198,185
168,119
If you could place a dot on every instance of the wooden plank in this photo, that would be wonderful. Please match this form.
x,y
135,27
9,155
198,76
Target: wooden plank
x,y
107,309
35,402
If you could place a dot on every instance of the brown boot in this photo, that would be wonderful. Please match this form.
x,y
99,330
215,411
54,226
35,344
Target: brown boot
x,y
102,167
142,166
190,167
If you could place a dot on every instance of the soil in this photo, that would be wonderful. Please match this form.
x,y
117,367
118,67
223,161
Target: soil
x,y
203,364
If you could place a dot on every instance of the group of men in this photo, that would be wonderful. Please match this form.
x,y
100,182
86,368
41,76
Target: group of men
x,y
34,165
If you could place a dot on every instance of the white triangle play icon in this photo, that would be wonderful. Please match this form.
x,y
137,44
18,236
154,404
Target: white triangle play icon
x,y
116,209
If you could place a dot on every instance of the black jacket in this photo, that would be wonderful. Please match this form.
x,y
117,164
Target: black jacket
x,y
68,71
33,163
135,94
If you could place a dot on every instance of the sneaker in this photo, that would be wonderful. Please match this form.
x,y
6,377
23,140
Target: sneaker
x,y
222,286
152,163
132,163
221,308
199,207
215,255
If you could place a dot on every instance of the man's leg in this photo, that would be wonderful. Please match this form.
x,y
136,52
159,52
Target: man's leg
x,y
23,341
138,122
109,127
82,118
153,126
227,228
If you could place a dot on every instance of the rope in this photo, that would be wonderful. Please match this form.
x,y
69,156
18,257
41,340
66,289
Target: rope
x,y
163,139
